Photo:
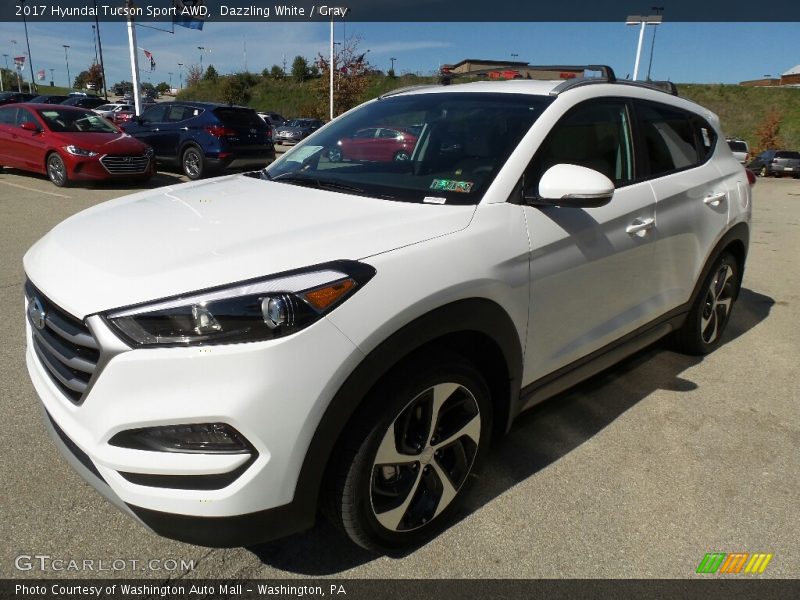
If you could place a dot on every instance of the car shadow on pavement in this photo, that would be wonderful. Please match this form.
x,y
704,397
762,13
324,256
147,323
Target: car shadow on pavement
x,y
538,438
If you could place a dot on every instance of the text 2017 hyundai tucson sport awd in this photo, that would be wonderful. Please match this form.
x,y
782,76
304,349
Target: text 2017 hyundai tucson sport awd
x,y
222,358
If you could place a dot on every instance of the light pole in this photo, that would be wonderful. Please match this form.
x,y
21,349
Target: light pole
x,y
658,10
201,48
170,82
514,56
643,21
94,37
16,67
27,42
180,75
52,80
100,47
66,58
392,59
2,75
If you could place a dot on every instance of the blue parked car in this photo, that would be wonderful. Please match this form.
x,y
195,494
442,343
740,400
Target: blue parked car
x,y
201,137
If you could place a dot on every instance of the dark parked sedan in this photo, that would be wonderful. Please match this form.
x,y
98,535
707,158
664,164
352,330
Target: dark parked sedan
x,y
14,97
776,163
200,137
296,130
89,102
48,99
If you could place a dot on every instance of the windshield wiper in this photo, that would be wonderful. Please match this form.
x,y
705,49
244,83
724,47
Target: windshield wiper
x,y
324,184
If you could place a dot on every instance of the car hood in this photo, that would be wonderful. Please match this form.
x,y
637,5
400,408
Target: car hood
x,y
198,235
104,143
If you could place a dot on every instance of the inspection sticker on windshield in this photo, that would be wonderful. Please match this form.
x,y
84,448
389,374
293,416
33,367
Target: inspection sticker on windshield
x,y
434,200
450,185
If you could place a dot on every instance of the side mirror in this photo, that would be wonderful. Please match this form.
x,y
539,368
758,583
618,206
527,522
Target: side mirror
x,y
32,127
572,186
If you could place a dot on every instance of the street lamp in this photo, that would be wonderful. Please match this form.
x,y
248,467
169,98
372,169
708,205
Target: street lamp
x,y
643,21
28,43
66,58
16,67
393,59
52,80
514,56
180,74
3,74
201,48
658,10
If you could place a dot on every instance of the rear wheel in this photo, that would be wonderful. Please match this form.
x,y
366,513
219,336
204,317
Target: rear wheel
x,y
57,170
763,172
401,155
193,163
410,455
711,310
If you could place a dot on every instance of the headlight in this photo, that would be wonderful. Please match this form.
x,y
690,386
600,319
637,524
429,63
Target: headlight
x,y
75,151
256,310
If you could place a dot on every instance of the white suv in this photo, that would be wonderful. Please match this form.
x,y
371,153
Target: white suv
x,y
349,327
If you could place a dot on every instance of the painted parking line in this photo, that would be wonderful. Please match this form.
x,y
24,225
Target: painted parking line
x,y
30,189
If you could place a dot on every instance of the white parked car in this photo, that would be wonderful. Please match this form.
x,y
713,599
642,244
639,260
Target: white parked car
x,y
108,110
221,358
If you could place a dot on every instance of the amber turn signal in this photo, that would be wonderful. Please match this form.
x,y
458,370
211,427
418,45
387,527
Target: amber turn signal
x,y
323,297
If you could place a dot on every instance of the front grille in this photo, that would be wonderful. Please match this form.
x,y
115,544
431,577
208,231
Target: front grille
x,y
125,165
64,346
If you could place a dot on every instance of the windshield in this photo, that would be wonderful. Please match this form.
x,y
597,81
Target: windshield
x,y
436,148
73,121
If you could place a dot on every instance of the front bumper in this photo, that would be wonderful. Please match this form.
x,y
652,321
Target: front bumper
x,y
273,399
90,169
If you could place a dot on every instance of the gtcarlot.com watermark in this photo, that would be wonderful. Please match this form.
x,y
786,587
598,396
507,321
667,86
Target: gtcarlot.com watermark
x,y
47,563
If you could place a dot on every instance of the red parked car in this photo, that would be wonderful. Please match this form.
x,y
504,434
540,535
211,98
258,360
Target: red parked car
x,y
68,144
379,144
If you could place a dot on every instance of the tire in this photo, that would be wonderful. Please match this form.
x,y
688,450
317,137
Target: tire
x,y
193,163
702,331
401,156
763,172
389,506
334,155
57,170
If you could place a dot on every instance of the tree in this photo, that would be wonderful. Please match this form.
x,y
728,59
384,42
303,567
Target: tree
x,y
121,87
94,77
276,72
162,87
211,74
235,89
300,69
80,80
390,73
769,130
350,70
193,75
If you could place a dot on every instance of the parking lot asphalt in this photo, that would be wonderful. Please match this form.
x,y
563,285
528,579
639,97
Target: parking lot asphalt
x,y
638,472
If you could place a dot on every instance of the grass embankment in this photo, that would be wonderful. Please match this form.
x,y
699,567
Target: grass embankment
x,y
741,109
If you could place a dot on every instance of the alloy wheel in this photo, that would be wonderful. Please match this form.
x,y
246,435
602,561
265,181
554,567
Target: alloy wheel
x,y
56,170
425,457
717,306
191,164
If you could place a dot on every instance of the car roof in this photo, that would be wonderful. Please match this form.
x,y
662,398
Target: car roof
x,y
206,105
42,105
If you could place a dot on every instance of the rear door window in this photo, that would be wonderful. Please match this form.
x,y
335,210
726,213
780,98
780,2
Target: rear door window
x,y
239,118
668,139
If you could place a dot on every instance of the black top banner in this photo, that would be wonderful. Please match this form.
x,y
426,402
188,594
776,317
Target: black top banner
x,y
209,11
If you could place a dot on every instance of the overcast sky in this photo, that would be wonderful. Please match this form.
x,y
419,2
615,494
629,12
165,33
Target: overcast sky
x,y
684,52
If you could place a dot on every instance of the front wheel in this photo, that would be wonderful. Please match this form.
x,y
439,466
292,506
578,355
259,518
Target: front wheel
x,y
702,331
401,156
57,170
410,455
193,163
334,155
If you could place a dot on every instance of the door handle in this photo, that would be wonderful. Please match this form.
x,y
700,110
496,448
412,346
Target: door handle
x,y
156,129
184,129
715,198
640,226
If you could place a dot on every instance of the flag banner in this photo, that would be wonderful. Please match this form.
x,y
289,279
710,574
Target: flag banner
x,y
149,56
40,75
19,61
190,13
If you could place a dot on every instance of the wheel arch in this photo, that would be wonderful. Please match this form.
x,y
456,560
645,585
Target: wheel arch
x,y
735,241
478,329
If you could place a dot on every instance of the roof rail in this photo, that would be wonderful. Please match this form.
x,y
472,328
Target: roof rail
x,y
606,72
666,87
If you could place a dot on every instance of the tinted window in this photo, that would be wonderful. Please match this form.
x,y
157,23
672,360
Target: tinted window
x,y
64,119
8,116
155,114
668,138
179,113
595,135
737,146
24,116
785,154
239,117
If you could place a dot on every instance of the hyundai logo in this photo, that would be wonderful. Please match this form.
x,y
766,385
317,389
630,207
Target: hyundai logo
x,y
36,313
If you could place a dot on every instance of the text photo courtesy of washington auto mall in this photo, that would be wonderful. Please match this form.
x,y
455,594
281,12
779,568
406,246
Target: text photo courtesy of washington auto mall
x,y
430,299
